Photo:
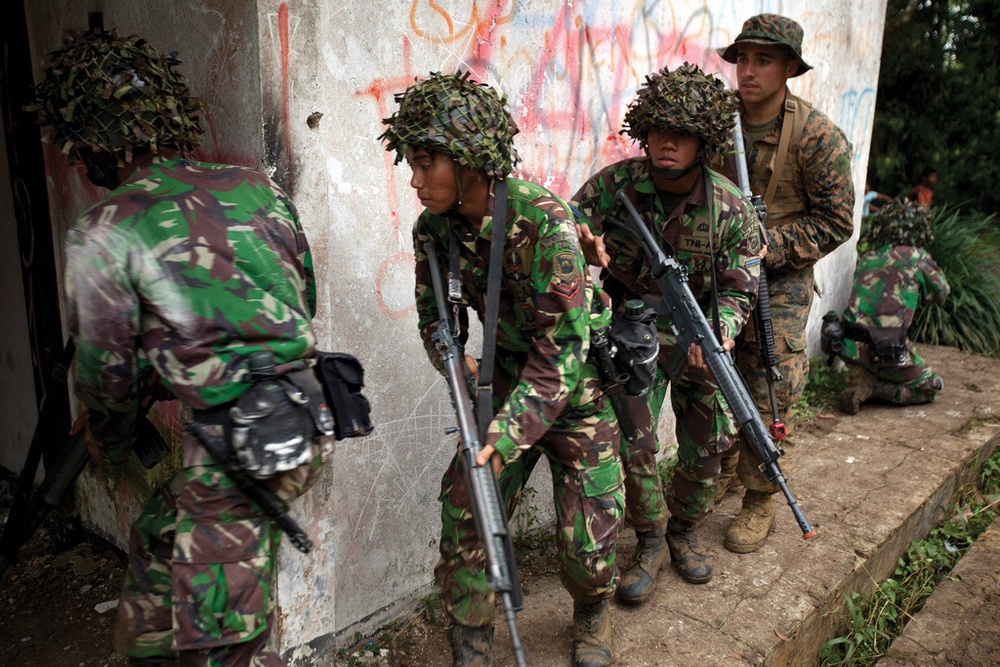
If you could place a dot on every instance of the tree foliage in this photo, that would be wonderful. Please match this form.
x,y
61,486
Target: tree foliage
x,y
939,100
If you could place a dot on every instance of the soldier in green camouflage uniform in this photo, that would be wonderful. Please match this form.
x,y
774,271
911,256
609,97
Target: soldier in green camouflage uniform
x,y
187,267
810,207
680,118
891,280
456,136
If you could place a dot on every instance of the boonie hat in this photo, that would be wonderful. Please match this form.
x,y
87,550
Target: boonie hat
x,y
770,29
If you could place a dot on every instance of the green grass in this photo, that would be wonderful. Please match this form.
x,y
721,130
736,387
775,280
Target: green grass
x,y
822,390
967,248
877,619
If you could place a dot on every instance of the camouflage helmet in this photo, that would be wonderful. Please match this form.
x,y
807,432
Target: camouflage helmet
x,y
104,94
456,116
900,222
686,100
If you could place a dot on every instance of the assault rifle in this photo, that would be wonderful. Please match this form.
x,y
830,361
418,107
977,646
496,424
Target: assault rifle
x,y
484,492
762,313
30,509
690,326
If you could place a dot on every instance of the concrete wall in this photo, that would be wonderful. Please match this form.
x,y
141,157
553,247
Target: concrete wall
x,y
569,69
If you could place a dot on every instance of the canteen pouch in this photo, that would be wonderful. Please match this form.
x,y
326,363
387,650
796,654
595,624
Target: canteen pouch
x,y
635,346
343,378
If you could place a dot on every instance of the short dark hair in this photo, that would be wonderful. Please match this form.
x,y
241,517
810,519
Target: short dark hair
x,y
927,171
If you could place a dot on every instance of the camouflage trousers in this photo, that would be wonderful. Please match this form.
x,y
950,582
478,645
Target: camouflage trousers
x,y
199,583
582,451
791,295
915,381
704,430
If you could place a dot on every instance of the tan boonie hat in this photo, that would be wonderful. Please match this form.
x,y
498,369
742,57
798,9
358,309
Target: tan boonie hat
x,y
770,29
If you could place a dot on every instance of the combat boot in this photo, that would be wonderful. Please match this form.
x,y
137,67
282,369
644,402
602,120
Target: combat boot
x,y
749,530
860,385
592,643
471,647
885,391
686,554
639,579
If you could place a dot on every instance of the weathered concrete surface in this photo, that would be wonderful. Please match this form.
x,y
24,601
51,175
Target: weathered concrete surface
x,y
960,623
870,484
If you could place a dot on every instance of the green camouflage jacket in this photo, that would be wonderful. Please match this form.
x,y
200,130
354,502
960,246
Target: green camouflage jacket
x,y
889,284
543,330
683,234
190,267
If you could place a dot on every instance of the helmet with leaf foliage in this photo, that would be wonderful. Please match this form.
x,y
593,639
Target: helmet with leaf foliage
x,y
103,95
900,222
685,100
453,115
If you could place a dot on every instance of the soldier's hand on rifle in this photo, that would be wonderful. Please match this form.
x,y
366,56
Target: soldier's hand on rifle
x,y
488,453
472,366
592,246
696,359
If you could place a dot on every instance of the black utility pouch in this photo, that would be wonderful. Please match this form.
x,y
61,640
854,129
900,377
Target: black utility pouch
x,y
343,378
636,346
889,347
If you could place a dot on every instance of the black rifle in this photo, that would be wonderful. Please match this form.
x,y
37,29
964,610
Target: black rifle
x,y
30,509
690,326
484,492
613,382
762,313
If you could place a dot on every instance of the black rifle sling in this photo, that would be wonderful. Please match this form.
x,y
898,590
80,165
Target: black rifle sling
x,y
484,393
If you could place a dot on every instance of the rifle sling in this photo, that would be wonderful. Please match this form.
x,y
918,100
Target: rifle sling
x,y
484,389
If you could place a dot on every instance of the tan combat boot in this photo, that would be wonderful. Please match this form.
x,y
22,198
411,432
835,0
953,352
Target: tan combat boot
x,y
639,579
471,647
686,554
749,530
592,643
860,385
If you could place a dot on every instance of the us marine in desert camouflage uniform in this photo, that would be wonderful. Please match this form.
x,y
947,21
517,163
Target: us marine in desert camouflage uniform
x,y
680,118
456,135
892,279
800,162
188,267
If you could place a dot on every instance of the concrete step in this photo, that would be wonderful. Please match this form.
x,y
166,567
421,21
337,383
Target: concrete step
x,y
870,483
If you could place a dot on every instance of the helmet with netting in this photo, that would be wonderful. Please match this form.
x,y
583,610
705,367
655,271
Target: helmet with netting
x,y
104,94
456,116
900,222
685,100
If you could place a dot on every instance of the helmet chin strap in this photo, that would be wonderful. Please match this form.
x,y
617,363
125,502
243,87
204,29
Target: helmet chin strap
x,y
674,174
458,184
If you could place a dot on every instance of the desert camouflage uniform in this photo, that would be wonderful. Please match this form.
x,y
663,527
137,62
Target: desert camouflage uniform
x,y
190,267
811,214
889,284
704,426
547,397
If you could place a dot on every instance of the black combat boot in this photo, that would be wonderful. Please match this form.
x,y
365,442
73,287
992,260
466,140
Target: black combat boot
x,y
471,647
639,579
592,643
686,555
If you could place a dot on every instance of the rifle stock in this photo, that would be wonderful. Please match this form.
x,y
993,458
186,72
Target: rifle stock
x,y
484,491
690,326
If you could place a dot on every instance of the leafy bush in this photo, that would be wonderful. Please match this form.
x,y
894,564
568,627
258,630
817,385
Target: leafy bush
x,y
967,248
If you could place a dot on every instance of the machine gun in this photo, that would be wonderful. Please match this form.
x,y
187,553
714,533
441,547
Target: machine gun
x,y
762,313
484,492
690,326
30,509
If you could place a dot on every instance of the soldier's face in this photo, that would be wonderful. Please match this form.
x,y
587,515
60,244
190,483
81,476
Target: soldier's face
x,y
433,177
670,149
761,71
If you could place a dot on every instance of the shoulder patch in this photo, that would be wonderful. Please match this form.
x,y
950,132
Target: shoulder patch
x,y
565,278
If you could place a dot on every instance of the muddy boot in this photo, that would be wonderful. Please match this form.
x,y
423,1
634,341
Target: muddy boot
x,y
860,385
592,644
686,554
471,647
639,579
728,481
749,530
885,391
